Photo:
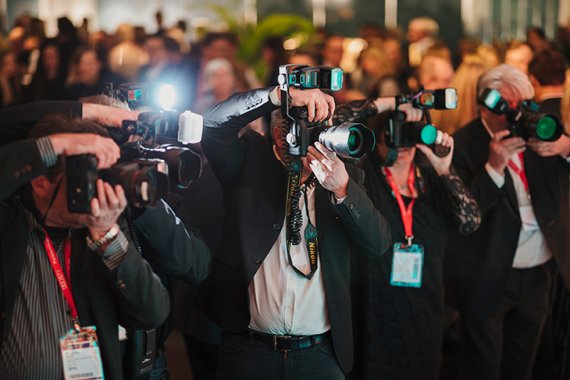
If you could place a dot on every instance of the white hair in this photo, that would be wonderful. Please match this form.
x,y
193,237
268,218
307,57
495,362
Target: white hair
x,y
213,67
506,76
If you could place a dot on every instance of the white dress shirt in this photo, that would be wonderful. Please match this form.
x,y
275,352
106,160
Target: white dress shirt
x,y
281,302
532,249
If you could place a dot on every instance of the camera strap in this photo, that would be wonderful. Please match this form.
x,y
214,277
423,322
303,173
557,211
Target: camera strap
x,y
295,222
405,212
63,278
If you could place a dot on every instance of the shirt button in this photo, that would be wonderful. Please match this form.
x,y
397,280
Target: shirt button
x,y
122,285
277,227
256,260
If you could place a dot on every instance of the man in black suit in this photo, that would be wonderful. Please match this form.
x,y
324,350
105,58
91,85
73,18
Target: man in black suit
x,y
61,271
499,277
278,321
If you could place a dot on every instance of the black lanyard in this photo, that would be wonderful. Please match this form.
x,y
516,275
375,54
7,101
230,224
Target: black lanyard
x,y
295,221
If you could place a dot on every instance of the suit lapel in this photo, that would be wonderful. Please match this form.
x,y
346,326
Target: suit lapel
x,y
511,199
323,210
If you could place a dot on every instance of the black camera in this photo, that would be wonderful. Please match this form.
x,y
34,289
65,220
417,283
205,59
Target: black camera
x,y
525,120
144,181
349,140
146,168
184,127
401,134
145,173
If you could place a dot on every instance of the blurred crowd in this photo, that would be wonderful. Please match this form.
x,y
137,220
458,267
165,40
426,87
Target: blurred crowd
x,y
379,62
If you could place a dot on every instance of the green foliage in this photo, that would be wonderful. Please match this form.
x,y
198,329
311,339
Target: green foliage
x,y
282,25
252,37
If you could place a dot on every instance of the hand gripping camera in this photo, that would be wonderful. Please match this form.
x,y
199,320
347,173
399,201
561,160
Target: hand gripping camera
x,y
400,134
525,120
148,166
349,140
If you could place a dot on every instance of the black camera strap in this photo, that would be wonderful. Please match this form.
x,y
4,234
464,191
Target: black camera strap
x,y
295,221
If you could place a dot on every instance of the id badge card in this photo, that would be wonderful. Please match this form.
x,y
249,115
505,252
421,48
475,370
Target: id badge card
x,y
407,265
80,354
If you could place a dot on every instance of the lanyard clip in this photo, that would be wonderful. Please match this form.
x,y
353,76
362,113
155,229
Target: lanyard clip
x,y
76,325
409,239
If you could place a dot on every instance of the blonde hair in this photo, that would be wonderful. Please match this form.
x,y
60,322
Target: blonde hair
x,y
385,66
425,24
465,81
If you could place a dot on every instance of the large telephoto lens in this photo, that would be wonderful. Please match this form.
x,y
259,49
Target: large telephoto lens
x,y
419,133
144,181
544,127
348,140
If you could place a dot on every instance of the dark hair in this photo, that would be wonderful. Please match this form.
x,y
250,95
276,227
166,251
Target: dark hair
x,y
536,30
60,123
548,67
171,45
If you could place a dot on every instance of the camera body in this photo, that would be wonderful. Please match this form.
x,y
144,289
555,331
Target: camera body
x,y
349,140
400,134
146,168
144,181
525,120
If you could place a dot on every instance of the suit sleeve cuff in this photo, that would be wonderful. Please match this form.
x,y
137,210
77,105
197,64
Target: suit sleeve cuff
x,y
47,153
274,97
113,253
498,179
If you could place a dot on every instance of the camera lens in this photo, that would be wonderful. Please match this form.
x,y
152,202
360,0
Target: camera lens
x,y
354,140
348,140
428,135
545,128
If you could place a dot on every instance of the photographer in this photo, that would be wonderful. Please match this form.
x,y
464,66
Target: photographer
x,y
499,278
68,280
399,324
280,316
18,120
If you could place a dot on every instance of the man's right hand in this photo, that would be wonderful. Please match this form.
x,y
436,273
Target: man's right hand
x,y
320,106
501,150
71,144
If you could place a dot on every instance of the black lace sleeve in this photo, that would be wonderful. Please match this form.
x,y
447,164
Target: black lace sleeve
x,y
356,111
460,204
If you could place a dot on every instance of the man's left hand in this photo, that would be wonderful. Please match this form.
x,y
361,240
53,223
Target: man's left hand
x,y
329,170
105,209
560,147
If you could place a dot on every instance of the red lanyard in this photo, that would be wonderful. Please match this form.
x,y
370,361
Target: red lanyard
x,y
406,213
520,171
63,280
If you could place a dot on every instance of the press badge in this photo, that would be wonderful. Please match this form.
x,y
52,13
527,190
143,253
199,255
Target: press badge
x,y
80,354
407,265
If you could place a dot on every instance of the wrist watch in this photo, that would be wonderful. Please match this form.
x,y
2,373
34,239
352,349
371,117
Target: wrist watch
x,y
95,245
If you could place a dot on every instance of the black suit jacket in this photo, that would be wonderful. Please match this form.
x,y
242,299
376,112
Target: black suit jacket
x,y
476,266
254,184
130,295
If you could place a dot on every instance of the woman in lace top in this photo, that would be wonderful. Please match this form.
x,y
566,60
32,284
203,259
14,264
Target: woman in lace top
x,y
399,323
